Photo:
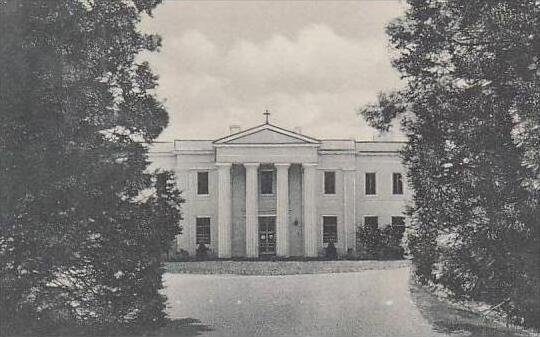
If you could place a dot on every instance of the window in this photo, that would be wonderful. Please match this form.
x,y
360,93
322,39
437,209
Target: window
x,y
329,182
329,229
371,187
398,221
202,227
202,183
371,222
397,183
267,181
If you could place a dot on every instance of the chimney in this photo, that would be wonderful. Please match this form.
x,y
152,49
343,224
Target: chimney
x,y
234,129
297,129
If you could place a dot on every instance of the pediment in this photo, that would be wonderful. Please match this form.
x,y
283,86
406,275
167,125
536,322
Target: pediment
x,y
266,137
267,134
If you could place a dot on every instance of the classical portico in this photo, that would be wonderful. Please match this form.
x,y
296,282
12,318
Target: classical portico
x,y
277,149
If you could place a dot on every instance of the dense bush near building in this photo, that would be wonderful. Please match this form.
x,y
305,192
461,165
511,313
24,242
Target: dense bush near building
x,y
391,243
470,111
331,251
375,243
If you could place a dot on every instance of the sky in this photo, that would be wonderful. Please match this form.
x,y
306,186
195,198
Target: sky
x,y
312,64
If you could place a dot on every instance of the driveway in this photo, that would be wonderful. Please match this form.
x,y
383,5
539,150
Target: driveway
x,y
366,303
334,298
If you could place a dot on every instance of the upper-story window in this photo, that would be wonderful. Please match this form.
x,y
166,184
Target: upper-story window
x,y
329,182
267,181
202,183
397,183
371,183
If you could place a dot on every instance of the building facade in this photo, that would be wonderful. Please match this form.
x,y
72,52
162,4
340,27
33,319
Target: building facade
x,y
270,191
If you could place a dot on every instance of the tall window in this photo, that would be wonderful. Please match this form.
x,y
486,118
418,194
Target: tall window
x,y
202,227
371,181
267,181
397,183
202,183
329,229
329,182
371,222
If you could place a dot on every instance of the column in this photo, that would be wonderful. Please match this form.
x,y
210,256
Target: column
x,y
252,210
224,210
310,213
349,210
282,210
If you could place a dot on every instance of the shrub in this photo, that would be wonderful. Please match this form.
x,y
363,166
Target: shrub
x,y
368,242
331,251
202,251
374,243
391,247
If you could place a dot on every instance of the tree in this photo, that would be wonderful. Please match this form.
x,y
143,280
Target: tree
x,y
470,112
83,224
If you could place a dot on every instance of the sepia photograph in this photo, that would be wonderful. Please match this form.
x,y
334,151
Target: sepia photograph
x,y
260,168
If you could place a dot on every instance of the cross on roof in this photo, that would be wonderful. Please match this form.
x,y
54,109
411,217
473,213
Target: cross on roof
x,y
266,114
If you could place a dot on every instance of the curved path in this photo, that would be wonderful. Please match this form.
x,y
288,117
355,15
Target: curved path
x,y
366,303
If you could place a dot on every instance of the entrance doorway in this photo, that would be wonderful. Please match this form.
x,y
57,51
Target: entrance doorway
x,y
267,235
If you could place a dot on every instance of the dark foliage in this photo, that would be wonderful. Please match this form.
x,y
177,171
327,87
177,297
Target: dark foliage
x,y
368,241
82,225
383,244
202,251
470,112
331,251
391,247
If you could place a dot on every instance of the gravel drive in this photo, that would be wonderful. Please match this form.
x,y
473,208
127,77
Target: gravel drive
x,y
365,303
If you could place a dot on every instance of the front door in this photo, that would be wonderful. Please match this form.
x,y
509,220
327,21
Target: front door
x,y
267,235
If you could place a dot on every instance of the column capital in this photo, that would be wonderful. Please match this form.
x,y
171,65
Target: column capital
x,y
310,164
223,164
283,165
251,164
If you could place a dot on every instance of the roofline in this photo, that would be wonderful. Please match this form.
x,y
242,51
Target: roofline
x,y
193,140
268,145
374,151
382,141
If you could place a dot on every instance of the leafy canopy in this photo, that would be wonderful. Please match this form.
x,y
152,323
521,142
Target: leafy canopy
x,y
83,224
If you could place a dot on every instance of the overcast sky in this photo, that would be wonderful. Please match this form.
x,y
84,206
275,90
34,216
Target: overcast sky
x,y
312,64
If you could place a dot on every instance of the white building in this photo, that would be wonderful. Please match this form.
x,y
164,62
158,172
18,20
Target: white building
x,y
271,191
